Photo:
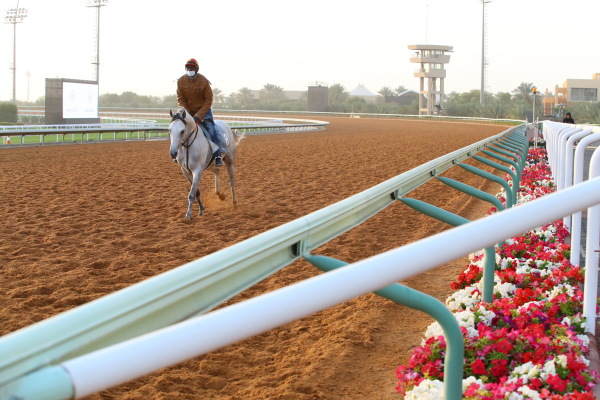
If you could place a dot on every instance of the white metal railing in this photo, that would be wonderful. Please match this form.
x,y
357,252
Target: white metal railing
x,y
567,146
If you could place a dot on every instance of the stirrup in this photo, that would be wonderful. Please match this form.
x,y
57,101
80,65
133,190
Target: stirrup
x,y
219,161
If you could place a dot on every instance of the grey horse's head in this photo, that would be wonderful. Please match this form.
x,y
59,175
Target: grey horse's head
x,y
177,130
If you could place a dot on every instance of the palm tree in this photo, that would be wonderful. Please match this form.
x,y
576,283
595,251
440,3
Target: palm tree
x,y
386,91
218,96
523,92
400,89
271,92
244,97
337,94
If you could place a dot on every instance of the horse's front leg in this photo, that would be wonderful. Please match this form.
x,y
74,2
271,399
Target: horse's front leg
x,y
189,176
195,194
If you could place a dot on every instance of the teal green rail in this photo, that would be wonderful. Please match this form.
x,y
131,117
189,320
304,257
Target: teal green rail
x,y
456,220
454,360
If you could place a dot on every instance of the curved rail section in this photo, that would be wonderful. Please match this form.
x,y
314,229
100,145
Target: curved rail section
x,y
122,130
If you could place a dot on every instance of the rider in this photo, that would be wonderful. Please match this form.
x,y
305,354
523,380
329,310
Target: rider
x,y
196,96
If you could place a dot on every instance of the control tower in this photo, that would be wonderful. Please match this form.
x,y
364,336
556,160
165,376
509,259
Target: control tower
x,y
432,59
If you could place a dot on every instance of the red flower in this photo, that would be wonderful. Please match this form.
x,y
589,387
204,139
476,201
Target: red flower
x,y
535,383
503,346
498,368
558,384
478,367
430,370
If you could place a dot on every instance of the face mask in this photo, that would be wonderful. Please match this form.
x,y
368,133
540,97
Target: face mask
x,y
190,73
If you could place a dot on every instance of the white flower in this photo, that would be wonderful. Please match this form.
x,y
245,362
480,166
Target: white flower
x,y
426,390
585,340
468,381
466,319
560,289
528,393
464,299
561,360
504,290
548,369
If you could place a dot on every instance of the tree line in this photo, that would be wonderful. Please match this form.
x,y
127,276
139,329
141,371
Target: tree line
x,y
517,104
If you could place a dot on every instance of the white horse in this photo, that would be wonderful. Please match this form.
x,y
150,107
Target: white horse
x,y
193,151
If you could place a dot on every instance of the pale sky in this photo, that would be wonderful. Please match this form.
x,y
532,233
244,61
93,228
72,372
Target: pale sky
x,y
240,43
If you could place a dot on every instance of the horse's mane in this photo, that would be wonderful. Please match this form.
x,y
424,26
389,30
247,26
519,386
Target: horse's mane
x,y
181,110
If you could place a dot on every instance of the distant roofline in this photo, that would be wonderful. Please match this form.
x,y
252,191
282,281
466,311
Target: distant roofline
x,y
429,47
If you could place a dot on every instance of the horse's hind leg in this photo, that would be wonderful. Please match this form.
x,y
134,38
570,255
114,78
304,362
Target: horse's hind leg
x,y
230,173
199,198
217,172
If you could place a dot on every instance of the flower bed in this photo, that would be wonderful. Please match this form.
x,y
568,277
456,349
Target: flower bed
x,y
529,343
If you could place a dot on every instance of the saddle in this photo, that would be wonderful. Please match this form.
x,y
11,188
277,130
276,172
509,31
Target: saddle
x,y
213,145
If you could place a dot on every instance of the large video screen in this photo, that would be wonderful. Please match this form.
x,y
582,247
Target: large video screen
x,y
80,100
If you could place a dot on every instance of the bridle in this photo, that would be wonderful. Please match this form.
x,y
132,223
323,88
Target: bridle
x,y
186,141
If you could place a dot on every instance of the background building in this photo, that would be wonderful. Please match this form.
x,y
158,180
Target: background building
x,y
572,91
363,92
431,76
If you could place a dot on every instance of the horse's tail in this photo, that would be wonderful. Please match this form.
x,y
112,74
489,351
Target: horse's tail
x,y
238,136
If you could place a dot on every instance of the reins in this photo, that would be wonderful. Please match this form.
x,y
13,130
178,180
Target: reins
x,y
187,145
185,142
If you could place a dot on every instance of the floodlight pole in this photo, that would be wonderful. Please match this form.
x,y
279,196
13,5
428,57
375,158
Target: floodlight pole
x,y
15,16
534,93
97,4
28,74
483,52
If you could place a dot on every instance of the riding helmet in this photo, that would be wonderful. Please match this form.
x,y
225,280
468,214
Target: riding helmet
x,y
192,63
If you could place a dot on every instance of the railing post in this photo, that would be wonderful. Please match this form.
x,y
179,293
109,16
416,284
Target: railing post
x,y
454,359
484,174
517,170
489,267
480,194
592,250
503,168
576,218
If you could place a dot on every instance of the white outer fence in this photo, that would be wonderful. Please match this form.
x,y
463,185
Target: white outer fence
x,y
567,145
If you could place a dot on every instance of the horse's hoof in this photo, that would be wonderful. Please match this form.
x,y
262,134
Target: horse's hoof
x,y
188,217
221,196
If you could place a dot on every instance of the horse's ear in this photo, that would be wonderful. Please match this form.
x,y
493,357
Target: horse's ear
x,y
183,114
171,113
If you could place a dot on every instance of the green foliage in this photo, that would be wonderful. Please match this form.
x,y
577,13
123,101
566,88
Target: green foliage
x,y
134,100
8,112
502,105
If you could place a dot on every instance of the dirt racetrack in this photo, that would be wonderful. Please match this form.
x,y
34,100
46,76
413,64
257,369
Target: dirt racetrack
x,y
79,222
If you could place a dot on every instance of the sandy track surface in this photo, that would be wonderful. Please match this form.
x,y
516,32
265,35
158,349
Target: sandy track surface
x,y
80,222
